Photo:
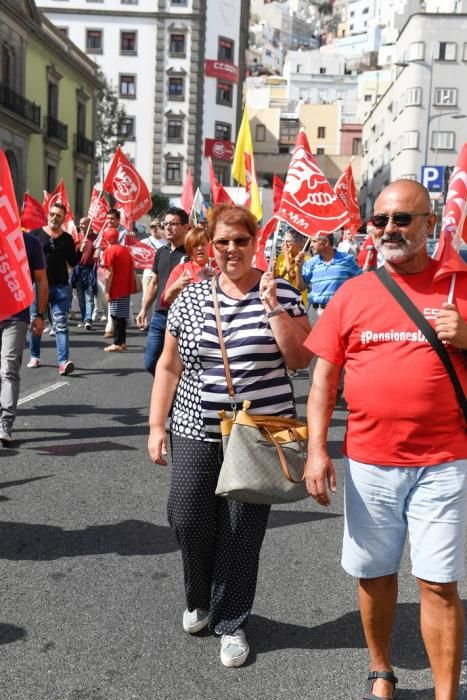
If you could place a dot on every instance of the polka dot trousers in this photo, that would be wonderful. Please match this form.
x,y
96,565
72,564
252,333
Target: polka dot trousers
x,y
220,539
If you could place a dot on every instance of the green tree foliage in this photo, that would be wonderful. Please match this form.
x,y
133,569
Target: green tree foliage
x,y
160,203
109,118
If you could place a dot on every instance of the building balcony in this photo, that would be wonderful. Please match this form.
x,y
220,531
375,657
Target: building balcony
x,y
56,131
18,106
84,148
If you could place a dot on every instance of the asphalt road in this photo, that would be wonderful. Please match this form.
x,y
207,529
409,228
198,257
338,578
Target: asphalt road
x,y
92,593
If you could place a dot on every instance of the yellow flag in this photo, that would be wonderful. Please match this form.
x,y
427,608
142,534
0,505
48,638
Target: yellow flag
x,y
243,166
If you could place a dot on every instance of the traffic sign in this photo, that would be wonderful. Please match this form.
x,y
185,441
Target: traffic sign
x,y
433,177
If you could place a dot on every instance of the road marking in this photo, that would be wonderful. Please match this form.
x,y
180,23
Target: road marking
x,y
41,392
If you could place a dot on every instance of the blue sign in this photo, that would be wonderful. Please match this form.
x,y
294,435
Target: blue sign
x,y
433,177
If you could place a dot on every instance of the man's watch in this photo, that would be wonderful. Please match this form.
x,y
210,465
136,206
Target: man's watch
x,y
40,315
279,309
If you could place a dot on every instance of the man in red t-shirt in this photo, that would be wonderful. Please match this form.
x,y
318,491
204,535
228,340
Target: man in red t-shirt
x,y
405,445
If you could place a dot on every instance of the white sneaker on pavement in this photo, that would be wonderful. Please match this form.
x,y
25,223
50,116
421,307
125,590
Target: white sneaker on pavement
x,y
234,649
195,621
34,362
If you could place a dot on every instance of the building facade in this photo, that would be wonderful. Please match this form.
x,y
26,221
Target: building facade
x,y
177,66
421,119
47,105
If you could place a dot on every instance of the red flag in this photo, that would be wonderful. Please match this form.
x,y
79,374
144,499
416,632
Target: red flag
x,y
309,204
218,193
367,250
346,191
188,194
127,186
15,278
277,190
259,260
60,195
45,201
33,214
98,208
454,226
143,254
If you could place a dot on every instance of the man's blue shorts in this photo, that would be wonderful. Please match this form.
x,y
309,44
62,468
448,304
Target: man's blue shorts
x,y
383,504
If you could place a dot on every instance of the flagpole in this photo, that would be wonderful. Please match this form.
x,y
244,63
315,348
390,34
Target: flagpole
x,y
272,259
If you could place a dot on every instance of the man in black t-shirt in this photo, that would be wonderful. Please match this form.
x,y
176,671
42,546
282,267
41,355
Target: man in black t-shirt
x,y
59,251
175,226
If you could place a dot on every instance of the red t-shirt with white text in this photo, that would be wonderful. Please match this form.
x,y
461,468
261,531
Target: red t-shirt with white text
x,y
403,410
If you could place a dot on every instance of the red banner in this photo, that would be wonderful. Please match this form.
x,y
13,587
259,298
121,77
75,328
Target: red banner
x,y
127,186
277,190
98,208
347,192
221,150
222,69
309,204
33,214
143,254
15,278
188,195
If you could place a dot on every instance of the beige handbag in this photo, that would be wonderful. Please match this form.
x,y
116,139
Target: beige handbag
x,y
264,456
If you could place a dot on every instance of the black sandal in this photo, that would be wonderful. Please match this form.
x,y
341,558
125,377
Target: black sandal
x,y
372,676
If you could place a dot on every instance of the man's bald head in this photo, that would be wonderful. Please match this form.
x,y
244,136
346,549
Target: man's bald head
x,y
408,189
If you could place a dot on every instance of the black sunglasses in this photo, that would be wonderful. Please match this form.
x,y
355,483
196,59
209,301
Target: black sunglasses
x,y
400,219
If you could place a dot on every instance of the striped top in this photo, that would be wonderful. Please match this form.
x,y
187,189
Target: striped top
x,y
323,279
256,364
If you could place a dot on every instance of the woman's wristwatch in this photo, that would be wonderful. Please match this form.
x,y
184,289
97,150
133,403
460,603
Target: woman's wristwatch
x,y
279,309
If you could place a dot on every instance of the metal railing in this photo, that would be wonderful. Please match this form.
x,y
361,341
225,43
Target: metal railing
x,y
18,104
84,146
56,130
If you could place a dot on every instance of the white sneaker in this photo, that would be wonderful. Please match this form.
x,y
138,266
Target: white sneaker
x,y
34,362
195,621
234,649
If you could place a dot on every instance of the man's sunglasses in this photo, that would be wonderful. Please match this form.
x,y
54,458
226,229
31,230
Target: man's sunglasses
x,y
400,219
223,243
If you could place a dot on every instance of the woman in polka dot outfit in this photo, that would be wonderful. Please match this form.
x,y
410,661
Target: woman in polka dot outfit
x,y
264,326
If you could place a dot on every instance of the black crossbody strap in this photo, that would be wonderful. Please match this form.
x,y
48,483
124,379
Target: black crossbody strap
x,y
427,330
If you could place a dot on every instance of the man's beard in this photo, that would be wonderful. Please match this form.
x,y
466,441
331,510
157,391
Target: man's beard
x,y
405,249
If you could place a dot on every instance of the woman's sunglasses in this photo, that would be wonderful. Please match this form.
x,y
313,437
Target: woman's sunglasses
x,y
223,243
401,219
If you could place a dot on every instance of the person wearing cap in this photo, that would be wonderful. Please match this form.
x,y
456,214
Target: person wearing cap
x,y
119,284
324,273
156,240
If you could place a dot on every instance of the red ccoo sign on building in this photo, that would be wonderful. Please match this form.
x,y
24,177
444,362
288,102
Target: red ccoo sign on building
x,y
221,69
220,150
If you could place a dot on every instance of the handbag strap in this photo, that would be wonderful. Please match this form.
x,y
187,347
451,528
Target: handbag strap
x,y
427,330
225,359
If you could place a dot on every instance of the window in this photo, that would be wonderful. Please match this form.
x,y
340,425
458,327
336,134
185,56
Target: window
x,y
322,70
225,49
129,2
177,45
175,129
446,51
367,97
356,147
51,178
52,100
224,93
127,128
321,132
128,43
63,31
176,88
320,151
173,172
445,96
127,86
298,68
222,173
260,132
464,53
222,131
413,97
180,3
288,130
442,140
365,10
416,51
81,119
410,139
94,40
